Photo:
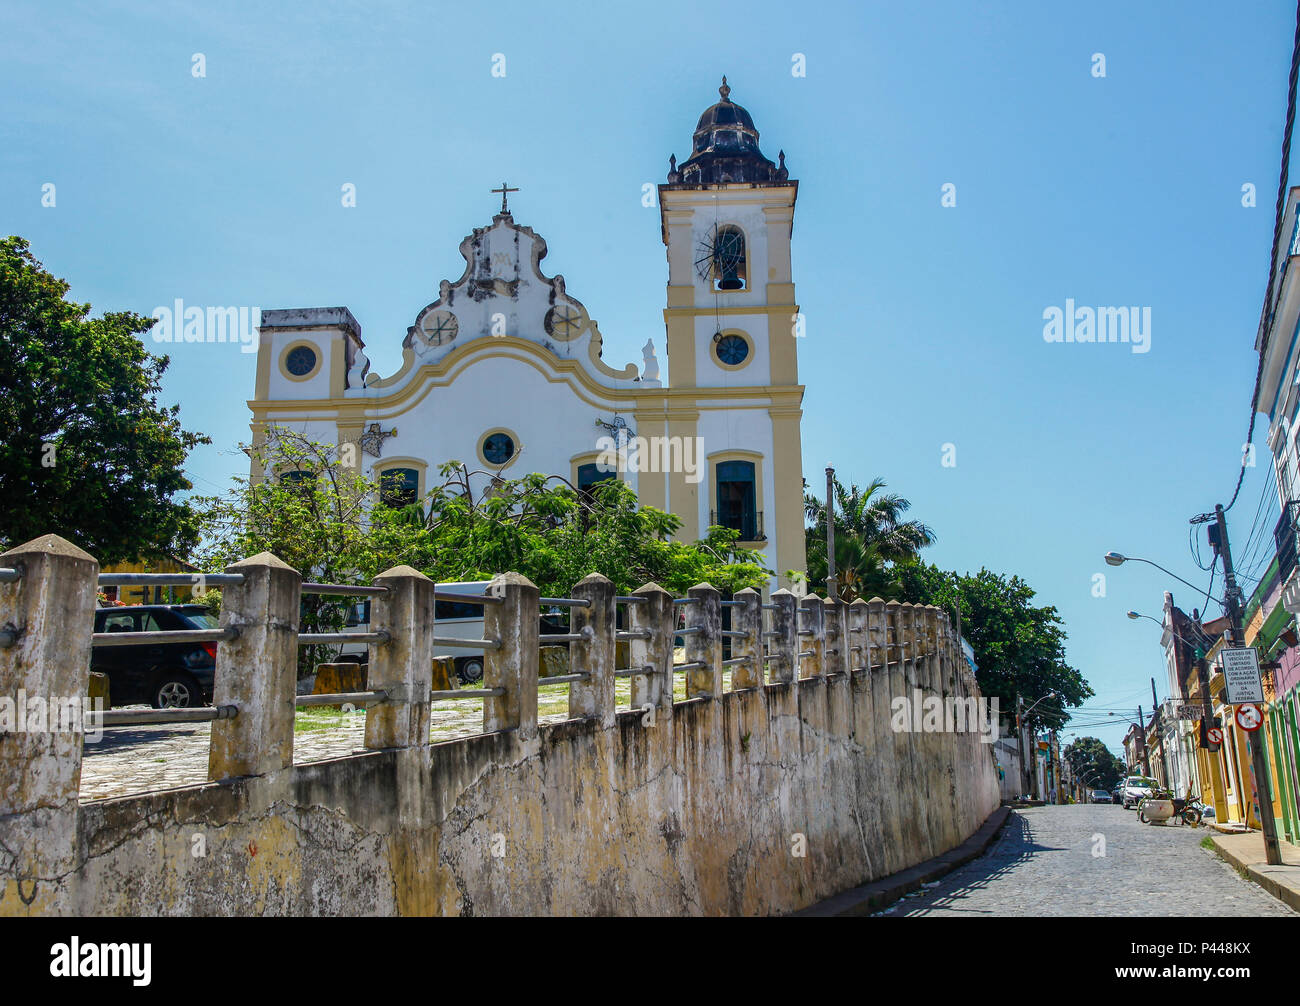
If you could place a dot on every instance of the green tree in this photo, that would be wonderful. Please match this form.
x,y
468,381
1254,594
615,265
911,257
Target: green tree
x,y
327,521
87,452
1019,647
1089,757
872,540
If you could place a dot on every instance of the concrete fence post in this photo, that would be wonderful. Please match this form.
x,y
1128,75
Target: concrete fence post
x,y
933,649
403,666
945,646
908,638
512,666
784,645
835,616
257,671
812,637
877,634
893,633
657,616
704,646
593,697
859,640
45,674
747,617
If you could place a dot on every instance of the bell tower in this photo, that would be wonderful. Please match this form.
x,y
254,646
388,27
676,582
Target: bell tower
x,y
732,326
727,216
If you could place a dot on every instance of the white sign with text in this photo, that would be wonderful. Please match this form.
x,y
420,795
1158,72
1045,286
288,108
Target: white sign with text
x,y
1241,675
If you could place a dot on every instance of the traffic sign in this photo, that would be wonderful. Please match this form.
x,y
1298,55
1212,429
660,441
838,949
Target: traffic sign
x,y
1248,716
1214,735
1241,675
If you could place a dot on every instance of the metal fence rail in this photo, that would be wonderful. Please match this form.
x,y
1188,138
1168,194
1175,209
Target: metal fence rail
x,y
149,717
170,579
163,636
778,635
320,638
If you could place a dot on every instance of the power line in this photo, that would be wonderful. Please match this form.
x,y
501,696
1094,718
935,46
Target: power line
x,y
1266,315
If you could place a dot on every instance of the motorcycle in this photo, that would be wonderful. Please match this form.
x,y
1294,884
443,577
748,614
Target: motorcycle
x,y
1161,805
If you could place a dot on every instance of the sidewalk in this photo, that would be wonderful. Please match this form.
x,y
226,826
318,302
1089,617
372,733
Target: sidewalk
x,y
1245,851
870,898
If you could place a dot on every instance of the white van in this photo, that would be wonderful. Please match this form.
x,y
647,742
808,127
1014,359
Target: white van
x,y
454,619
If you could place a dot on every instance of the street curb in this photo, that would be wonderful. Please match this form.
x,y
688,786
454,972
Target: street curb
x,y
1258,873
870,898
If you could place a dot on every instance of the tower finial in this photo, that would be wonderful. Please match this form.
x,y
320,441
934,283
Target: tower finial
x,y
724,90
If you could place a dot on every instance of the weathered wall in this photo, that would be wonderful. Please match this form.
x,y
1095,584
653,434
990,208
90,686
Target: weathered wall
x,y
695,816
698,813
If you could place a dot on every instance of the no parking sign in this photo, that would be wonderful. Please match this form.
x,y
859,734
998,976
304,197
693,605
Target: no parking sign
x,y
1248,716
1214,735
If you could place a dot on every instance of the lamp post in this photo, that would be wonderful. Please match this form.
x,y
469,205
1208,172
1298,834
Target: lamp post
x,y
1231,605
1021,713
832,582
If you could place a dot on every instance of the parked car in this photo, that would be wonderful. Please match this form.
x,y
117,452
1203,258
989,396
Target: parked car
x,y
1136,787
165,675
1100,796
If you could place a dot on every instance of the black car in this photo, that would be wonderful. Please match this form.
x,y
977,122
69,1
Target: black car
x,y
165,675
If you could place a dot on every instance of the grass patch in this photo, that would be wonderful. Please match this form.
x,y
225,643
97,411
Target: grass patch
x,y
310,718
1208,843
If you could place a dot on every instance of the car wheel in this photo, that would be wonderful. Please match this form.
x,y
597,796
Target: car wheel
x,y
470,670
176,691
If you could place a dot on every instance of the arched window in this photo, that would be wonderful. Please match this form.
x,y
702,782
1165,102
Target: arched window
x,y
298,480
736,499
590,474
729,259
399,486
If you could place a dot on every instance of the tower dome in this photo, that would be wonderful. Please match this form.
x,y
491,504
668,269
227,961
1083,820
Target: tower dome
x,y
725,149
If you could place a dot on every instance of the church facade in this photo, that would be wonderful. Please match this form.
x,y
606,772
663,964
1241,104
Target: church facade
x,y
503,370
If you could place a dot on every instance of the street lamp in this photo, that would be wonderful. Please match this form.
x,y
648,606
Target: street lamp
x,y
1135,615
1049,695
1116,559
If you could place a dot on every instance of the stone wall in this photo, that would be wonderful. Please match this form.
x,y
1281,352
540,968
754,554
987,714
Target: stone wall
x,y
792,785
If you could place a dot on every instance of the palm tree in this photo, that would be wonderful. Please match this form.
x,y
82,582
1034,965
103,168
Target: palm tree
x,y
871,539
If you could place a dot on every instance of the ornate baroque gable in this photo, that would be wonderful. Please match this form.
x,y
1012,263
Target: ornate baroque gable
x,y
504,293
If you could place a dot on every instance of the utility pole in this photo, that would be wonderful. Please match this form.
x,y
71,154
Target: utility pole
x,y
1254,738
1142,743
832,584
1028,778
1156,717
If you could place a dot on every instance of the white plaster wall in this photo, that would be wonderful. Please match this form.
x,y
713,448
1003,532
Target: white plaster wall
x,y
551,422
280,387
758,366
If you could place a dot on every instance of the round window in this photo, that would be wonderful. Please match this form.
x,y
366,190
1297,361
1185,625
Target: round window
x,y
732,350
301,361
498,448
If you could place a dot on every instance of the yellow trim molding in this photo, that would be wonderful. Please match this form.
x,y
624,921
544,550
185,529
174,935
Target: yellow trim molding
x,y
736,454
378,468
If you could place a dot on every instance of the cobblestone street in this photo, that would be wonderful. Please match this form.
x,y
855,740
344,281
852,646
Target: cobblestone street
x,y
1044,864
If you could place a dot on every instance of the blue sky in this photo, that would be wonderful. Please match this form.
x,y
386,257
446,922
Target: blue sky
x,y
924,323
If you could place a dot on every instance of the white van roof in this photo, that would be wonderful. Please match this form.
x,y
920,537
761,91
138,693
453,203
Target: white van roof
x,y
464,587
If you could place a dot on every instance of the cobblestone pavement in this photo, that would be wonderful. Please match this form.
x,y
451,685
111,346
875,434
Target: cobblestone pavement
x,y
129,760
1043,864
